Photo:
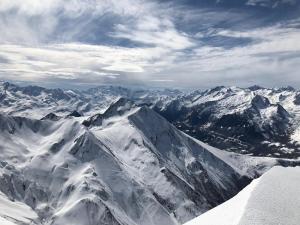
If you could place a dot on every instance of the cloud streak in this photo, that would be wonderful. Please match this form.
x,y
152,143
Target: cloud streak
x,y
170,43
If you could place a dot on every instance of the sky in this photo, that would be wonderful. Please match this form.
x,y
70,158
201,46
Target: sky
x,y
167,43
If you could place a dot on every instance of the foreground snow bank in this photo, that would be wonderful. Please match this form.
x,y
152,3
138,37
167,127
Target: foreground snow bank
x,y
274,198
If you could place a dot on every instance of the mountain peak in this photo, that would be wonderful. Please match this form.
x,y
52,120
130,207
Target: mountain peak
x,y
287,88
75,114
118,108
297,99
260,102
51,116
255,88
282,112
216,89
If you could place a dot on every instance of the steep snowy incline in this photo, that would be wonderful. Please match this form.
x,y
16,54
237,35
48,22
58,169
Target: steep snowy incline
x,y
274,198
254,121
13,213
161,159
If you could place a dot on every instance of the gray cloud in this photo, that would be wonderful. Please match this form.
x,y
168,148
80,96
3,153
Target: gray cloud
x,y
170,43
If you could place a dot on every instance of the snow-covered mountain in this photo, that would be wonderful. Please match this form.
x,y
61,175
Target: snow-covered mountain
x,y
126,166
37,102
254,121
274,198
14,212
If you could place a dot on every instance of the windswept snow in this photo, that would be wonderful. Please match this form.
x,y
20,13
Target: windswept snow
x,y
14,212
228,213
272,199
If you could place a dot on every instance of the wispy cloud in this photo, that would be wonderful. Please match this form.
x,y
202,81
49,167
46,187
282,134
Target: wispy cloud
x,y
169,43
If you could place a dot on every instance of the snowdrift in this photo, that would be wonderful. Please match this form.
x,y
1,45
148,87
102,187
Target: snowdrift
x,y
274,198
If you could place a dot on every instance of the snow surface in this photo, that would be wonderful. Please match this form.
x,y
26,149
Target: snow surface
x,y
13,212
272,199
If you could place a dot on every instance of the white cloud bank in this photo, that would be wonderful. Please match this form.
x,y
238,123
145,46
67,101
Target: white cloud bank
x,y
136,40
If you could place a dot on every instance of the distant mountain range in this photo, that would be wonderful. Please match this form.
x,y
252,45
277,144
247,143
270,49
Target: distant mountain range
x,y
255,121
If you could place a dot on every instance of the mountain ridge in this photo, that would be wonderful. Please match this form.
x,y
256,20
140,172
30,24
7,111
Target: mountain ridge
x,y
255,121
131,164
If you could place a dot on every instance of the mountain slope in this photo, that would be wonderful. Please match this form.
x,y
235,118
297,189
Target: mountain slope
x,y
132,168
13,213
254,121
271,199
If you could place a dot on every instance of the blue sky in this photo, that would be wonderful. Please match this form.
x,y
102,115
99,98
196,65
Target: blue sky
x,y
173,43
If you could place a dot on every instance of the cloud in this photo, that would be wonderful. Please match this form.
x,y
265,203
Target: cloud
x,y
35,21
272,61
162,80
154,32
182,43
69,60
271,3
